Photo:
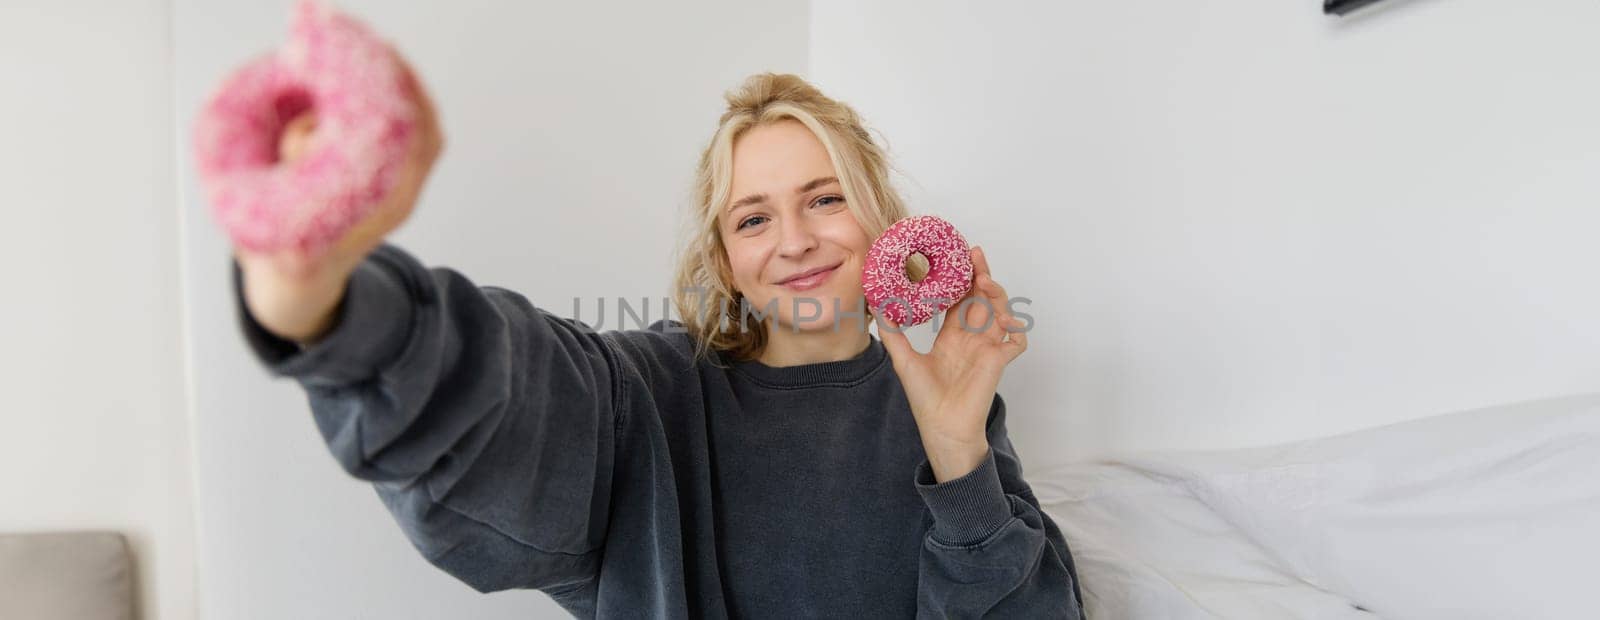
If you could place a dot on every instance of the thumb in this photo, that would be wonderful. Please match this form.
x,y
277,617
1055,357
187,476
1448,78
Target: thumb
x,y
894,339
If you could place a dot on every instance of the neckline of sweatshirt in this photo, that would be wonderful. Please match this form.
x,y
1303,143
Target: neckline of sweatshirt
x,y
838,373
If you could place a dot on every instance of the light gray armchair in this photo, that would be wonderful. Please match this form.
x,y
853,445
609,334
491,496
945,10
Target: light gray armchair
x,y
66,576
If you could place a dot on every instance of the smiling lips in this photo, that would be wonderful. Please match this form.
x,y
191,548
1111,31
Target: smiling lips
x,y
809,279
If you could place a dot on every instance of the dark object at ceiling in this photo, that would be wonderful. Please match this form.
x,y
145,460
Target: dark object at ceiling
x,y
1341,7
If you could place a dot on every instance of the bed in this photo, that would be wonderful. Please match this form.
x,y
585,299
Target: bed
x,y
1486,513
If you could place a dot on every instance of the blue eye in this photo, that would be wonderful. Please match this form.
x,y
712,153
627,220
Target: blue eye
x,y
820,202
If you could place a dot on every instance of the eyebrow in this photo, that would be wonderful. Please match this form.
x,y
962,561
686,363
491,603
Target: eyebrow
x,y
758,198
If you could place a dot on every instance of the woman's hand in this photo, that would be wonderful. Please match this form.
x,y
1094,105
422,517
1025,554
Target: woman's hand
x,y
952,386
296,295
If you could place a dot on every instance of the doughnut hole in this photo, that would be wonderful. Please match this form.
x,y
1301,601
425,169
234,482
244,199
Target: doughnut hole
x,y
916,267
295,120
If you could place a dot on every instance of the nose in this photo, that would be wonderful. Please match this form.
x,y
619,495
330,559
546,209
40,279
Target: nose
x,y
795,237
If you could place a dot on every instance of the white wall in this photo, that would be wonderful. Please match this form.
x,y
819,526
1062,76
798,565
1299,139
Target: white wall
x,y
93,424
1239,223
1245,222
570,127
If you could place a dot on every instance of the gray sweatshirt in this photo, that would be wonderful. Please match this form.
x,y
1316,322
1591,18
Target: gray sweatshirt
x,y
519,449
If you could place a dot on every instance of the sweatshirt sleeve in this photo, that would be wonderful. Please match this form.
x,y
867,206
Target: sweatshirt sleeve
x,y
992,552
487,426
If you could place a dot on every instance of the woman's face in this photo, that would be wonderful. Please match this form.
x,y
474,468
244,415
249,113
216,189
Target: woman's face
x,y
788,217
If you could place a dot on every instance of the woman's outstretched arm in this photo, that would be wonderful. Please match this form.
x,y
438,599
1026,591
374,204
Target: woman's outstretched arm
x,y
488,426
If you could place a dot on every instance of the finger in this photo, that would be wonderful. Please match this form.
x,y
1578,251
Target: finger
x,y
972,315
991,288
983,281
997,296
954,317
894,339
976,319
427,112
1017,339
413,83
980,262
990,314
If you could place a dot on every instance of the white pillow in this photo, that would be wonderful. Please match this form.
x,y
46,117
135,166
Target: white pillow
x,y
1146,548
1488,513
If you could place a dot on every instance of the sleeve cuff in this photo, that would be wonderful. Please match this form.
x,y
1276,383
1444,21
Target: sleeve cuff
x,y
372,326
969,509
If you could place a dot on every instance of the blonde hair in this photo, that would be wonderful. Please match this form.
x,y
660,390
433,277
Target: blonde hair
x,y
703,293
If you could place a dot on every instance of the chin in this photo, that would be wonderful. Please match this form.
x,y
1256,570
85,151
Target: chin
x,y
825,320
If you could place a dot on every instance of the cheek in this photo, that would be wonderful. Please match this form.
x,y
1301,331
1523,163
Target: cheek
x,y
745,261
850,235
860,244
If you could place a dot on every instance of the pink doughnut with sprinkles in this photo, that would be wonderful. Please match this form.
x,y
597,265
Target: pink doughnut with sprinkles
x,y
891,292
336,68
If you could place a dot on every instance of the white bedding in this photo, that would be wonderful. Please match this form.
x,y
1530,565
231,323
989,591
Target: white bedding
x,y
1489,513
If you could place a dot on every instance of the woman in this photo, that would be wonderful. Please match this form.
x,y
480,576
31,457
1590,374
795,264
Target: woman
x,y
799,466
